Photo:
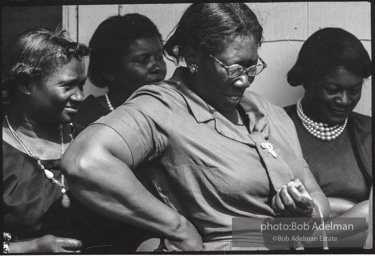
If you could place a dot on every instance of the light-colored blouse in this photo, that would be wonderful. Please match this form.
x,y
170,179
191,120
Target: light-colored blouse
x,y
202,165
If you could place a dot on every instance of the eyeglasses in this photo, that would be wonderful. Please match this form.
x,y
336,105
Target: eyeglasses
x,y
236,70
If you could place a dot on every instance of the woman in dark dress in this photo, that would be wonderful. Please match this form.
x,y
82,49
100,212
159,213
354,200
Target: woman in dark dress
x,y
126,53
336,141
43,76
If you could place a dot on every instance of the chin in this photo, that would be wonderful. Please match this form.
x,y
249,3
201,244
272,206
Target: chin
x,y
66,119
334,120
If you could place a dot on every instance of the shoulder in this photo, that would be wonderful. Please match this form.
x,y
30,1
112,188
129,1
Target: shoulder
x,y
361,123
360,118
13,161
291,109
261,104
89,111
165,95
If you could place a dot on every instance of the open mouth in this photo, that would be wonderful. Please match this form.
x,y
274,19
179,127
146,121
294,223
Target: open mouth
x,y
234,98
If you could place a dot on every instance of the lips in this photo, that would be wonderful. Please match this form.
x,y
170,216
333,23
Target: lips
x,y
72,109
339,110
234,97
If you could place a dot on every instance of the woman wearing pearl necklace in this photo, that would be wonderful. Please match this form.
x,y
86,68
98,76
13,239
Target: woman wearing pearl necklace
x,y
336,142
126,53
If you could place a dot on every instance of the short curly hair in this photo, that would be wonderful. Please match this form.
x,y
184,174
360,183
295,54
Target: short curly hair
x,y
35,54
326,50
111,40
209,27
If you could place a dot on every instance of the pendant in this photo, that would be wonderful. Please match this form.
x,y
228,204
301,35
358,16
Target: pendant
x,y
65,201
269,148
48,174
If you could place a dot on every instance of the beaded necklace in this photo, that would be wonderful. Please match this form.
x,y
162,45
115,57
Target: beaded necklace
x,y
109,102
65,202
319,130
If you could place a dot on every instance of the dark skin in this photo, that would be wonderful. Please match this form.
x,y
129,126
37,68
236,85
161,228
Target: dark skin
x,y
212,84
330,101
99,167
143,63
36,112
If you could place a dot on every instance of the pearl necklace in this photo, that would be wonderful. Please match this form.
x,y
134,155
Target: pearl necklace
x,y
65,202
319,130
109,102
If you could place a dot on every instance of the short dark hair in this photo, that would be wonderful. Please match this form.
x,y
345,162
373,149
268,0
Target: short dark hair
x,y
210,27
34,55
111,39
324,52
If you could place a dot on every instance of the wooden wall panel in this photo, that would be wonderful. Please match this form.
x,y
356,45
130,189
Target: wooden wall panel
x,y
364,105
286,26
272,82
90,16
17,19
354,17
282,21
70,20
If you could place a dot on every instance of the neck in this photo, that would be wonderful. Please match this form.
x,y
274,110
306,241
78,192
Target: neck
x,y
29,127
307,110
234,117
192,81
117,96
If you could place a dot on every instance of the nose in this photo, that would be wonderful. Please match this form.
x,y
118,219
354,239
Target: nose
x,y
157,65
343,98
244,81
77,95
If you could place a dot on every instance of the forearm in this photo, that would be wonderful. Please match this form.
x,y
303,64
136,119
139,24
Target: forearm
x,y
360,210
26,246
107,185
339,205
321,203
351,216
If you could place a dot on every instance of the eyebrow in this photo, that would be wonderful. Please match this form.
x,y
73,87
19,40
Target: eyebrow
x,y
73,81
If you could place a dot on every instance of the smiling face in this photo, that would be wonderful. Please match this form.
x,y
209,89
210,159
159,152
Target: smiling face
x,y
216,88
332,99
55,99
142,64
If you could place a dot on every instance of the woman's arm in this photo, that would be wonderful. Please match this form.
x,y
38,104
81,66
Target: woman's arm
x,y
46,244
97,164
301,197
312,186
340,205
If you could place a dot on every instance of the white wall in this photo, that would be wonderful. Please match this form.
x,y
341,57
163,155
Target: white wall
x,y
286,26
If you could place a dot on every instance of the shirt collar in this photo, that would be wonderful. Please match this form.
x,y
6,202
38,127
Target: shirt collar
x,y
203,112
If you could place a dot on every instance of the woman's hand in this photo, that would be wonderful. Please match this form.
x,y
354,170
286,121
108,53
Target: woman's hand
x,y
293,200
46,244
192,241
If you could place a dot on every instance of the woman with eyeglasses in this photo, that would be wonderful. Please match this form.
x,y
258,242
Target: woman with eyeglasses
x,y
204,148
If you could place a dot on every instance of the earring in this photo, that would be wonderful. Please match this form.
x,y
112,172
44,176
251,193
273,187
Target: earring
x,y
193,68
175,50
